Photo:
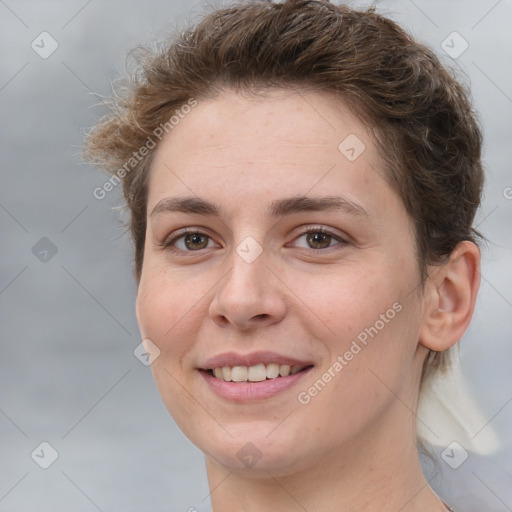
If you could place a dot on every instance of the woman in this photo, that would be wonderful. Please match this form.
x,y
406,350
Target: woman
x,y
302,179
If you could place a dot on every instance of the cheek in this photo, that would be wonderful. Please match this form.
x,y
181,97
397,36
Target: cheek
x,y
168,308
350,299
167,312
369,318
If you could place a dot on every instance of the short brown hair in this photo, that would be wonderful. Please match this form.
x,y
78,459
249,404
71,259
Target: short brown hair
x,y
421,117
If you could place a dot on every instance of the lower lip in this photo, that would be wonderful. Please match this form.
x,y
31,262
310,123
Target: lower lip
x,y
251,391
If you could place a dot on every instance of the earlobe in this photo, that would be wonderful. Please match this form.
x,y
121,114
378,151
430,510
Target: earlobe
x,y
450,297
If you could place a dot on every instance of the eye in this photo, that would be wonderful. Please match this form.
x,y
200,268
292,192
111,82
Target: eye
x,y
320,238
191,240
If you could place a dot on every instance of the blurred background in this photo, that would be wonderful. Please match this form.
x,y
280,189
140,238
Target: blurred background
x,y
69,377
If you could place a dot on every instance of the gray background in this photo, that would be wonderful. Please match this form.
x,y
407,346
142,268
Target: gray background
x,y
68,373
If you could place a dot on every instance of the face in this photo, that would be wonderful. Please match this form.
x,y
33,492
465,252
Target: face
x,y
275,245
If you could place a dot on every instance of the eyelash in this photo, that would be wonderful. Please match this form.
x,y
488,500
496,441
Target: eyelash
x,y
168,245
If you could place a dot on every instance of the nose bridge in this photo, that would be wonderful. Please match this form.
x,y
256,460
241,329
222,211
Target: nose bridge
x,y
247,293
248,259
245,281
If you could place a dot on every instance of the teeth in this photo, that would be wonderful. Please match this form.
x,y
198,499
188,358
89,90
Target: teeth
x,y
226,373
256,373
272,371
284,370
239,374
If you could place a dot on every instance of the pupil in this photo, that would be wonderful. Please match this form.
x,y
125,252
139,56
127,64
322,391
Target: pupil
x,y
318,239
195,240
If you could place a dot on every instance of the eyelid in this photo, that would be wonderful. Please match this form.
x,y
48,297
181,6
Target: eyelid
x,y
189,230
301,230
314,228
298,232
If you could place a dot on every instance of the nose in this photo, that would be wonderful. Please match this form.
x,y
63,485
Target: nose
x,y
248,297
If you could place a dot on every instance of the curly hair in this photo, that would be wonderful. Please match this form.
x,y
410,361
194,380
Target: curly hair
x,y
420,116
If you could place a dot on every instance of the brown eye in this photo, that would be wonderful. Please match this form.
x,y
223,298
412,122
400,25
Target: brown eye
x,y
196,241
318,240
188,241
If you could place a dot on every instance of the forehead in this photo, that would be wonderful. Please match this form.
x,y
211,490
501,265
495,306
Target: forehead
x,y
245,149
288,117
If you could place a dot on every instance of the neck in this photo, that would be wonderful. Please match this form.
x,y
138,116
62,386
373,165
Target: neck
x,y
378,470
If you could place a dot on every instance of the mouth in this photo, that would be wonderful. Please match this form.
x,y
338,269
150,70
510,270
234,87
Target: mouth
x,y
256,373
252,377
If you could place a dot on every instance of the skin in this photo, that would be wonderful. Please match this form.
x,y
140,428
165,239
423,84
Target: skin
x,y
354,444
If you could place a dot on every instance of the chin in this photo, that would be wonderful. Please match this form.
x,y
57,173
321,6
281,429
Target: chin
x,y
255,463
251,451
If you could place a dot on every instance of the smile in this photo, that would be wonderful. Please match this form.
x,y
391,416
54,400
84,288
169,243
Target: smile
x,y
250,377
255,373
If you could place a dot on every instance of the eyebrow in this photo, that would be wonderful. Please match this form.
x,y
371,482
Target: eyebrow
x,y
278,208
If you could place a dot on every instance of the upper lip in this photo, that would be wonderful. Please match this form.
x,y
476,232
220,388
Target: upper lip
x,y
252,359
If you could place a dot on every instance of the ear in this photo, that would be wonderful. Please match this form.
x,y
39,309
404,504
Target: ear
x,y
450,297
